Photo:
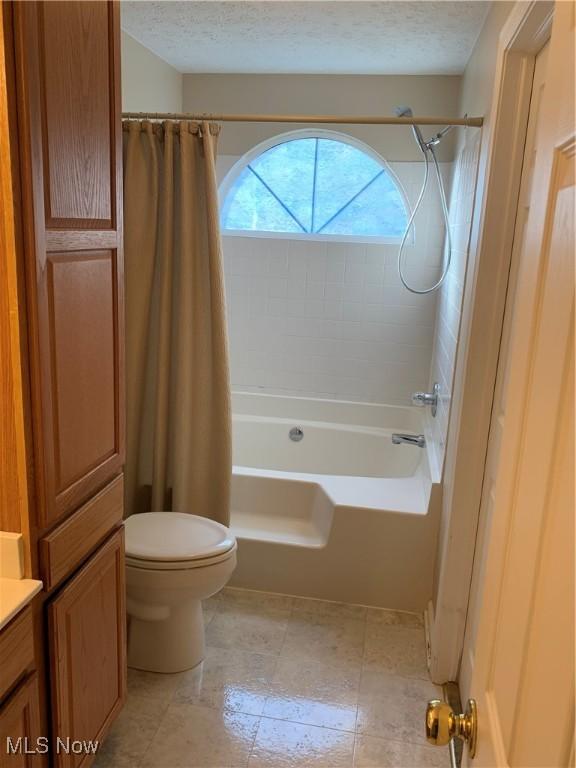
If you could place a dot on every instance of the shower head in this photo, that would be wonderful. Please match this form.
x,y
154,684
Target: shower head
x,y
407,112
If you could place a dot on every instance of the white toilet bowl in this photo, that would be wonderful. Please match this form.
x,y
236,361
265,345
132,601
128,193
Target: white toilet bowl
x,y
173,562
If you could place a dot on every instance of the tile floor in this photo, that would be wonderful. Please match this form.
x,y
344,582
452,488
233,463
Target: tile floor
x,y
286,683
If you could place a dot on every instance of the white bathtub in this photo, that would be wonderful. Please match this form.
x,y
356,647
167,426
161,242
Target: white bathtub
x,y
326,448
343,514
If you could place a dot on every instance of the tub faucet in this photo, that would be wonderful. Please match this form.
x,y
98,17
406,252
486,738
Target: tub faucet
x,y
399,437
427,398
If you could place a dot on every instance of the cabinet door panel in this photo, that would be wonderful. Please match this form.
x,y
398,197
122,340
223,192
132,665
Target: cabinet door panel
x,y
79,187
20,727
16,650
87,639
82,296
67,63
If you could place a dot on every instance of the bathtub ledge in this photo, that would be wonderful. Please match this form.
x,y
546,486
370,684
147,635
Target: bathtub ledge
x,y
405,495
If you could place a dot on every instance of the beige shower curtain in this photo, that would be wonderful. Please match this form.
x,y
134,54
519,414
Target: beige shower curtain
x,y
177,378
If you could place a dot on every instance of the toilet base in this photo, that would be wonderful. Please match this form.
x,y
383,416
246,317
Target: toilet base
x,y
169,645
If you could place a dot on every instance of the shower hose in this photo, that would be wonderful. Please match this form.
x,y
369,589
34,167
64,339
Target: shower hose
x,y
448,258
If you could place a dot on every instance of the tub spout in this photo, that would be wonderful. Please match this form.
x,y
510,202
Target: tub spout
x,y
398,438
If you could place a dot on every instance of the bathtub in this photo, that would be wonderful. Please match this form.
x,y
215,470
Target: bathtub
x,y
343,514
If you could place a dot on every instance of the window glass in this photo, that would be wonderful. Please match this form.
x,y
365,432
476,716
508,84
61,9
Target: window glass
x,y
315,186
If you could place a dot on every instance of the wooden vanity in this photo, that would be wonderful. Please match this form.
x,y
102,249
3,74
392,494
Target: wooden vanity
x,y
62,657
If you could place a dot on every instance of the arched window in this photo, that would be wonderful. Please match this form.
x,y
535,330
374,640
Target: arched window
x,y
321,186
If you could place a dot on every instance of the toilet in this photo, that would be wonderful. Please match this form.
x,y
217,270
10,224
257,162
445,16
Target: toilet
x,y
173,562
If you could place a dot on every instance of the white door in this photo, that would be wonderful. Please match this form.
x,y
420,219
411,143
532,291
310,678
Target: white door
x,y
518,658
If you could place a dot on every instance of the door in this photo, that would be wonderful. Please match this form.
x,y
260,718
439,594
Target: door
x,y
518,658
87,639
68,75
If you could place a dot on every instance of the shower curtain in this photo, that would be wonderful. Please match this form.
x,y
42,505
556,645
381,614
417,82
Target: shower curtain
x,y
177,375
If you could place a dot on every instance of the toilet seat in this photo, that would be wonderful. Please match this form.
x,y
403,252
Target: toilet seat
x,y
176,541
178,565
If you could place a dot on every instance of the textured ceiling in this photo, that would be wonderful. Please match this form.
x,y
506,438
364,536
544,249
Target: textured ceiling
x,y
309,36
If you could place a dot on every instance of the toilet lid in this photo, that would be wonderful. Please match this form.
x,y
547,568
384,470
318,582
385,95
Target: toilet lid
x,y
169,536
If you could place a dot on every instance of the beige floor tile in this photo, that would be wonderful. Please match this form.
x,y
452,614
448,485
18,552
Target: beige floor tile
x,y
153,685
394,618
209,608
371,752
393,707
261,603
326,639
314,670
198,737
314,693
281,744
247,631
132,733
307,607
397,649
228,679
104,760
316,680
213,600
324,714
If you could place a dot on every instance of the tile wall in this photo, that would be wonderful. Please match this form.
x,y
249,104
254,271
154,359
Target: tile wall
x,y
332,320
448,310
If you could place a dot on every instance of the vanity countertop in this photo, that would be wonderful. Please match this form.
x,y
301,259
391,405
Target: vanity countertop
x,y
15,591
15,594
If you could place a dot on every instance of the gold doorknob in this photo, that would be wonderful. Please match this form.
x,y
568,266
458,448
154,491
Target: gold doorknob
x,y
443,724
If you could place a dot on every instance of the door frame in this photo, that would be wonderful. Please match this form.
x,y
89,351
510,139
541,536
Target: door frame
x,y
523,35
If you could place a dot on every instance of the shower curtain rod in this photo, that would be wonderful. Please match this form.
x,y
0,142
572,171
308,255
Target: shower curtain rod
x,y
472,122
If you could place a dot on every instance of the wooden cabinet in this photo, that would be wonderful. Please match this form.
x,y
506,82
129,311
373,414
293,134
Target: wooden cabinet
x,y
68,545
67,83
20,737
20,724
87,641
61,151
16,651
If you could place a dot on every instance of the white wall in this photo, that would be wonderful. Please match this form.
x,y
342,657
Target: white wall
x,y
149,84
332,320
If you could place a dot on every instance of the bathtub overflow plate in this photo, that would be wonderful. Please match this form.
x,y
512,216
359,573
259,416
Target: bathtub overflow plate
x,y
296,434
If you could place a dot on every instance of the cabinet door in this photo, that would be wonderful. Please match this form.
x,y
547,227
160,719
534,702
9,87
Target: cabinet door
x,y
20,728
69,117
87,640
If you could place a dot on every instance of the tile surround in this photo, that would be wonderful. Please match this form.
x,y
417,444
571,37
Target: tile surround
x,y
332,320
359,704
449,306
